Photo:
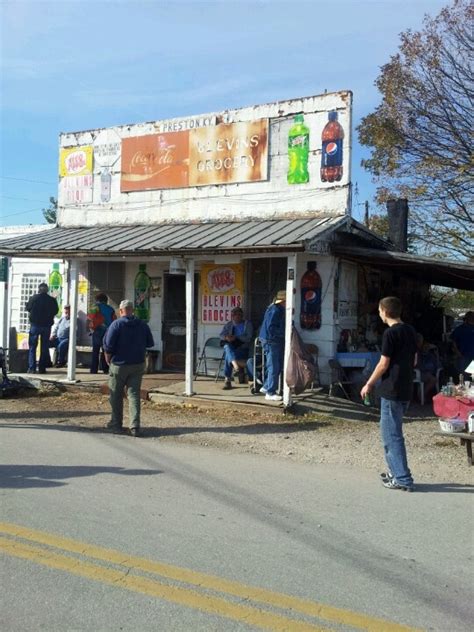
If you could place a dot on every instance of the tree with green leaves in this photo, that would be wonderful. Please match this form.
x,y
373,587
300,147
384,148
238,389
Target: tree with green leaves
x,y
421,133
50,214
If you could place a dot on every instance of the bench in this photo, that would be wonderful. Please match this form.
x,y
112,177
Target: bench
x,y
466,439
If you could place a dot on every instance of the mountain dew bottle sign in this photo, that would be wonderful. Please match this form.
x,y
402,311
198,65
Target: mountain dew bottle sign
x,y
142,293
298,152
56,285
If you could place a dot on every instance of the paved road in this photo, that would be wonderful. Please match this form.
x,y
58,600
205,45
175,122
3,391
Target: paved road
x,y
102,532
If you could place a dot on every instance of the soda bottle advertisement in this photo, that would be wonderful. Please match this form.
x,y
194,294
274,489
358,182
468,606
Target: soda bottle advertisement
x,y
311,287
331,152
298,152
142,287
56,285
105,185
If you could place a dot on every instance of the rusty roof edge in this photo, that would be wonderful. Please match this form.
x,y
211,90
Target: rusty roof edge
x,y
123,254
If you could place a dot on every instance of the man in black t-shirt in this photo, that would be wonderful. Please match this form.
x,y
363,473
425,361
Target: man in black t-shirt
x,y
395,368
42,309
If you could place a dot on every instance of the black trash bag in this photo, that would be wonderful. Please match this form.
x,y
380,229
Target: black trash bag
x,y
301,365
7,386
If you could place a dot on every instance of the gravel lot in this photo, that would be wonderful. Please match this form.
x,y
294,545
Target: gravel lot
x,y
313,439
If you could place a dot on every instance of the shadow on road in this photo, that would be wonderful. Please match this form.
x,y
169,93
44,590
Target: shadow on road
x,y
172,431
452,488
23,476
49,414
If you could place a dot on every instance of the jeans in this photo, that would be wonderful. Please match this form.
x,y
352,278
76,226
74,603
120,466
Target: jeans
x,y
273,365
121,376
97,338
391,430
38,332
62,346
231,354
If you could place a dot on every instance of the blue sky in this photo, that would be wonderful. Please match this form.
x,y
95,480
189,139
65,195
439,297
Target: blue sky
x,y
76,65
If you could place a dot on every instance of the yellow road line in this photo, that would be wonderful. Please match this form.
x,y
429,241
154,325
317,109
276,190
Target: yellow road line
x,y
259,595
135,583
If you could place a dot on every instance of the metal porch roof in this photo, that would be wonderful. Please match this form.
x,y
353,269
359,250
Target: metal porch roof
x,y
443,272
172,239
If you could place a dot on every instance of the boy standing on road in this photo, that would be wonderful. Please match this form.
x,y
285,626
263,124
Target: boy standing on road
x,y
395,368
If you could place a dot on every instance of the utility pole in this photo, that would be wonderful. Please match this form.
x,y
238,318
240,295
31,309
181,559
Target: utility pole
x,y
366,213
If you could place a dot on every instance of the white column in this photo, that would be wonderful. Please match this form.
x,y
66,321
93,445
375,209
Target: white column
x,y
188,380
5,285
71,357
290,309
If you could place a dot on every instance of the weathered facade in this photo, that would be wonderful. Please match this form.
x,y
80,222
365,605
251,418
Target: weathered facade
x,y
236,202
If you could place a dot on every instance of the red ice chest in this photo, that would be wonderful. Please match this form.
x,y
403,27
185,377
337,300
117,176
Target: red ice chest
x,y
450,407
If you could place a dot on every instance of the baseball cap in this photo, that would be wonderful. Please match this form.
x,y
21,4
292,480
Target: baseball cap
x,y
280,296
125,303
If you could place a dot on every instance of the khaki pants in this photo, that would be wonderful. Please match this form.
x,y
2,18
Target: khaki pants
x,y
121,376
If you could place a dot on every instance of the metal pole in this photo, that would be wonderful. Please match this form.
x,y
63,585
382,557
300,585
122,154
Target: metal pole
x,y
290,310
73,295
188,380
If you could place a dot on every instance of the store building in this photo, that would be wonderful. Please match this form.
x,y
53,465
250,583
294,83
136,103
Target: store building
x,y
192,216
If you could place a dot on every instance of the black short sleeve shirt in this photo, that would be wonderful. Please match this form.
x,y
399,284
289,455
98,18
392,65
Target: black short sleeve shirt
x,y
398,344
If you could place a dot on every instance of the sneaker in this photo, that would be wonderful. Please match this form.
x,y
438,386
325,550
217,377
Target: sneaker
x,y
391,483
273,398
386,475
31,371
263,390
227,385
135,432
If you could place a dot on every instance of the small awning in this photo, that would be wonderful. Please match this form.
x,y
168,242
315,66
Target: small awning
x,y
443,272
288,235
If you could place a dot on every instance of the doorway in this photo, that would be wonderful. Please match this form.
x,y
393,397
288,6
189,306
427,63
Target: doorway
x,y
174,321
264,278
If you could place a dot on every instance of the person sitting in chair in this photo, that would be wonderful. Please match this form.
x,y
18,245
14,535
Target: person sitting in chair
x,y
60,337
428,363
235,338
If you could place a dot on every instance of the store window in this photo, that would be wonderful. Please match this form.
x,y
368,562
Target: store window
x,y
264,278
108,277
29,286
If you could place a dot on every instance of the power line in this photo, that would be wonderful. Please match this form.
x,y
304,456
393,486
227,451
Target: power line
x,y
31,210
12,197
27,180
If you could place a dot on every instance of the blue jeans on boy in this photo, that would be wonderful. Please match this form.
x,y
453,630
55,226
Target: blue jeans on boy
x,y
38,333
232,354
391,422
273,365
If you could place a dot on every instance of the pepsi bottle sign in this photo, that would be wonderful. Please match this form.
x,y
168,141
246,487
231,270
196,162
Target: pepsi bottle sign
x,y
332,153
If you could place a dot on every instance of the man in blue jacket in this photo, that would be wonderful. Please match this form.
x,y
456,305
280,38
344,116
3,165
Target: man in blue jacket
x,y
125,344
272,336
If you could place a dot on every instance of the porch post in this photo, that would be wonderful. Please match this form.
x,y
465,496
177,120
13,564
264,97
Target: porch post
x,y
188,379
290,309
5,285
73,287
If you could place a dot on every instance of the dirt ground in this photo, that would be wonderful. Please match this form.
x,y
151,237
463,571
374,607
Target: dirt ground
x,y
310,439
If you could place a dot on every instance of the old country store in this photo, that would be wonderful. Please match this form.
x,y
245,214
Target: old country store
x,y
190,217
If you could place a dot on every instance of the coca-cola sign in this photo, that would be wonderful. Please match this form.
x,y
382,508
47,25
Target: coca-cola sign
x,y
220,154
